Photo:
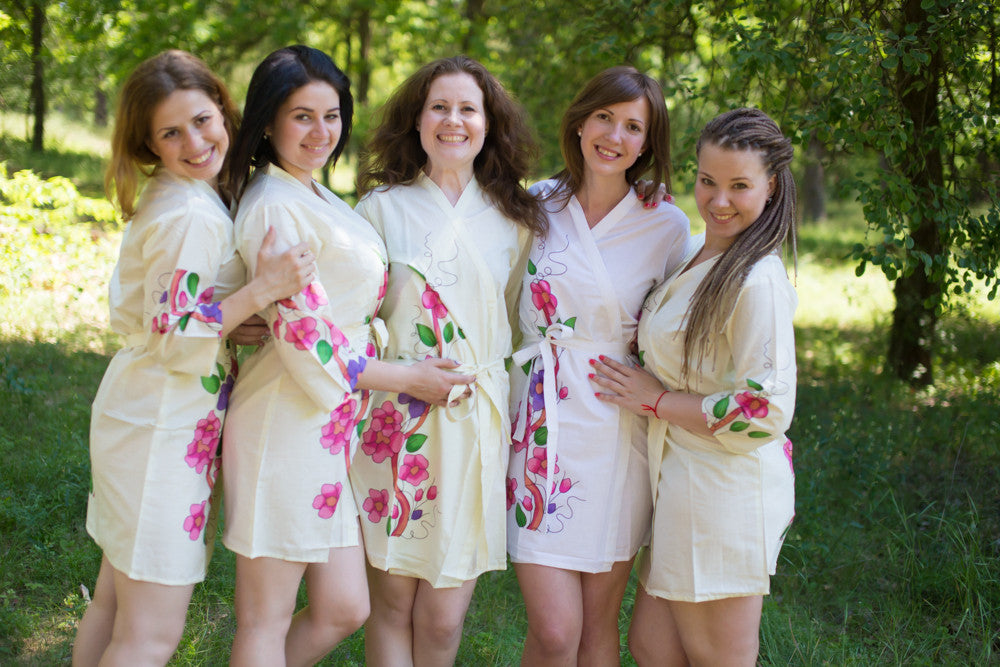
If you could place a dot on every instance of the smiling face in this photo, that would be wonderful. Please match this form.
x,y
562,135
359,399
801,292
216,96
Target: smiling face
x,y
613,136
306,129
731,192
452,125
188,134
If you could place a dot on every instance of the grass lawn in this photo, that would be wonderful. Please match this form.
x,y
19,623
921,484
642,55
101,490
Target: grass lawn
x,y
894,557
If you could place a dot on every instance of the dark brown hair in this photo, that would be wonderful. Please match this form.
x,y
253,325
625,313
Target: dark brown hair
x,y
278,76
394,155
613,86
146,87
714,299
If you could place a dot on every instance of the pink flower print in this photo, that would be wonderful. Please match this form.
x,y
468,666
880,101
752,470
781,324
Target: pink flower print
x,y
543,298
432,302
302,333
326,501
337,337
565,485
376,504
418,495
383,438
414,469
160,324
385,285
195,522
206,296
315,296
753,406
432,493
337,433
527,503
511,491
788,455
182,300
201,450
370,350
539,461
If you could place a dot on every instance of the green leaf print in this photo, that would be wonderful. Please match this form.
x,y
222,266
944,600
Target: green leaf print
x,y
222,371
193,284
720,408
542,436
754,385
388,526
532,269
426,335
739,426
571,323
422,276
461,334
642,358
527,367
324,351
415,442
449,332
183,322
758,434
519,516
211,383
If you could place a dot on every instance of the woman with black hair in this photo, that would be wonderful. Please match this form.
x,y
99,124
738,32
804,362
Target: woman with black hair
x,y
290,512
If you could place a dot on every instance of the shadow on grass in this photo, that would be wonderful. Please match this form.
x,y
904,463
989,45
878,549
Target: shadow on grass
x,y
85,170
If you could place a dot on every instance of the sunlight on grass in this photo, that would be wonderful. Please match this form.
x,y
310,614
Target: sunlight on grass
x,y
61,133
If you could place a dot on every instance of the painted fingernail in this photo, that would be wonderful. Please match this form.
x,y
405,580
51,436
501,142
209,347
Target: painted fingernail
x,y
592,362
601,357
591,376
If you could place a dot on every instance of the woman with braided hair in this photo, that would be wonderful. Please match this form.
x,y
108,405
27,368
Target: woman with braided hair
x,y
718,339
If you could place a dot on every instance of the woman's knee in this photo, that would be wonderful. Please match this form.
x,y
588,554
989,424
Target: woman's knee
x,y
556,635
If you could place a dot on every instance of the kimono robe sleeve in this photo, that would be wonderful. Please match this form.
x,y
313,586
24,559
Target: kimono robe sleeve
x,y
181,258
316,353
758,407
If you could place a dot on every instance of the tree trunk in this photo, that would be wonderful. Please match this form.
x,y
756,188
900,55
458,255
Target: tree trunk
x,y
918,295
100,106
364,56
37,78
813,189
474,15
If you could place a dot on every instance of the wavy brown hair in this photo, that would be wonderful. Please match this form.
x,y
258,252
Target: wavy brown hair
x,y
394,155
146,87
714,300
613,86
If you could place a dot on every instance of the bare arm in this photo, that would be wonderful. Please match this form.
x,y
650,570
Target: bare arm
x,y
429,381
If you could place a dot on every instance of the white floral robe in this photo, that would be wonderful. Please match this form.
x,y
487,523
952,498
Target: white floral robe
x,y
430,480
577,496
723,503
293,420
157,417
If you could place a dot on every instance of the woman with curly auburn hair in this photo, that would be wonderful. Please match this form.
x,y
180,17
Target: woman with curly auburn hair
x,y
441,183
175,295
719,342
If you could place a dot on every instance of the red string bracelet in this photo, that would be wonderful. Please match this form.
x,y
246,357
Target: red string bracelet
x,y
653,408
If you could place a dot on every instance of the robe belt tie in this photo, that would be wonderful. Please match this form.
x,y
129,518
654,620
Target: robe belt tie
x,y
556,335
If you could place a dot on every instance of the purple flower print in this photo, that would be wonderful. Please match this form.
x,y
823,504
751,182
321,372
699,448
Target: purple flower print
x,y
201,450
224,392
355,367
414,469
384,437
414,406
432,302
536,389
211,312
326,501
195,522
753,406
302,333
337,433
376,504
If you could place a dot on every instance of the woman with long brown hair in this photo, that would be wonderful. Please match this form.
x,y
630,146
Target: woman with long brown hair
x,y
441,183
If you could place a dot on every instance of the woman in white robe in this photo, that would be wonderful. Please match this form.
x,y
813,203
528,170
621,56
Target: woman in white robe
x,y
290,511
719,339
441,184
156,421
578,507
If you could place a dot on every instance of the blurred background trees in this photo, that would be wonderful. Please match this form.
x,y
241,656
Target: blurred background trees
x,y
893,104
